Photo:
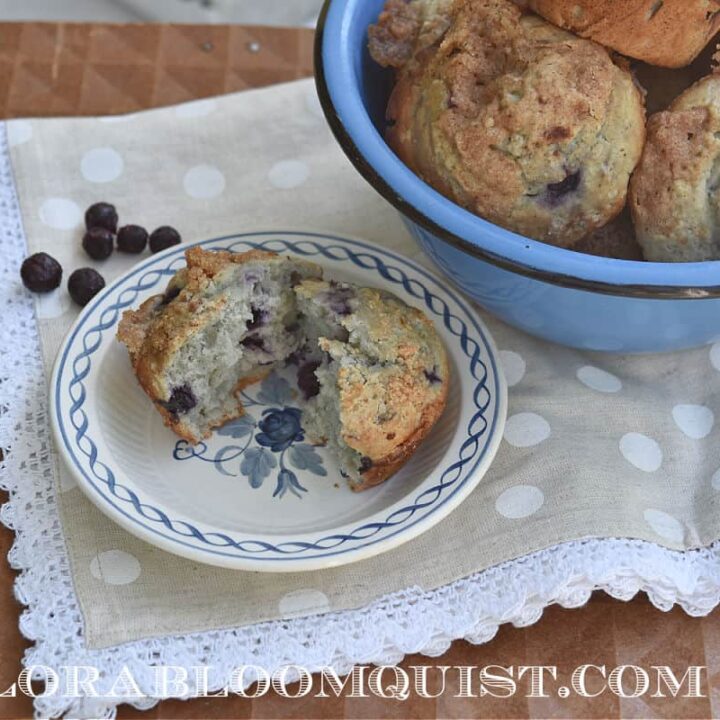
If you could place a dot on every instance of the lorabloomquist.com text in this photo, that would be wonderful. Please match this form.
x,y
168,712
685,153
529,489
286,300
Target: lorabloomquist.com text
x,y
386,681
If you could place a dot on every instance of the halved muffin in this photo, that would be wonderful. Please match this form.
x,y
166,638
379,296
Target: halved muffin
x,y
382,377
223,323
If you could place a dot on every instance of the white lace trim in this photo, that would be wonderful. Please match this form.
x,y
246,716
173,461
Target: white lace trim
x,y
411,621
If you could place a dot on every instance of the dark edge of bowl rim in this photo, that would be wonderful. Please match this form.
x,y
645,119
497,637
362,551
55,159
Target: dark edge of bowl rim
x,y
648,292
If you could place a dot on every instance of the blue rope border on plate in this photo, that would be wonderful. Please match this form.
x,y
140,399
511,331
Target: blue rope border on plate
x,y
477,426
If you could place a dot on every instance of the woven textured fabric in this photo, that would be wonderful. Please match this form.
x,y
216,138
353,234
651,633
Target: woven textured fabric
x,y
596,446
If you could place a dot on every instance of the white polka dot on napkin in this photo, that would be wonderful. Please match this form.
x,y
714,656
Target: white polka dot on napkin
x,y
520,501
101,165
526,429
641,451
115,567
60,213
288,174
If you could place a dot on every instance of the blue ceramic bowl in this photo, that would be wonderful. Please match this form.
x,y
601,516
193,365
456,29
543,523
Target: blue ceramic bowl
x,y
563,296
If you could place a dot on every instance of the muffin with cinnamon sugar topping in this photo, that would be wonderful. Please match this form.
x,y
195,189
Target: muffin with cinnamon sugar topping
x,y
518,121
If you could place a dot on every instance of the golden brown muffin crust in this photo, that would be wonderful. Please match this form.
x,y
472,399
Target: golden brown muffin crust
x,y
669,33
388,408
154,331
392,40
524,124
675,192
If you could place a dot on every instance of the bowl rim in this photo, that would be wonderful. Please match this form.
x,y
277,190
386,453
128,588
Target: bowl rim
x,y
394,181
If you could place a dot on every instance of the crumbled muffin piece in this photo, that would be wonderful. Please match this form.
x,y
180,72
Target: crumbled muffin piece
x,y
404,28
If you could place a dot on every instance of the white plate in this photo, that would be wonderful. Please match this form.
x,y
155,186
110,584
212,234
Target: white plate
x,y
280,506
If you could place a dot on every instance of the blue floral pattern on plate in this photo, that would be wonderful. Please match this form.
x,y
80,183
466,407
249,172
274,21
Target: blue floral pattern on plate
x,y
278,431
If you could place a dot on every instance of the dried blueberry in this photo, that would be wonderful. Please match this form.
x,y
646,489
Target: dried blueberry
x,y
98,243
102,215
182,400
41,272
259,318
556,193
432,376
132,239
365,464
84,284
253,342
307,380
164,237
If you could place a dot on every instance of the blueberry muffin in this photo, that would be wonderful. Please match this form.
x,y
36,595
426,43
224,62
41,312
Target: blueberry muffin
x,y
615,240
223,323
675,192
669,33
375,374
372,371
520,122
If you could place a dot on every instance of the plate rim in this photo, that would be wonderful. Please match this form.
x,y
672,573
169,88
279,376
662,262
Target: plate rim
x,y
293,562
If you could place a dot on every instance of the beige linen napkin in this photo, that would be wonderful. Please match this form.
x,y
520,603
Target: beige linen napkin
x,y
595,446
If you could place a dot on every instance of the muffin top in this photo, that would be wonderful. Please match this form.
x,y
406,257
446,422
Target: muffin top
x,y
518,121
669,33
675,192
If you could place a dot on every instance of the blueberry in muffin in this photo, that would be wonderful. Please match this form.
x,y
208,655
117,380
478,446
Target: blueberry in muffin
x,y
516,120
675,192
